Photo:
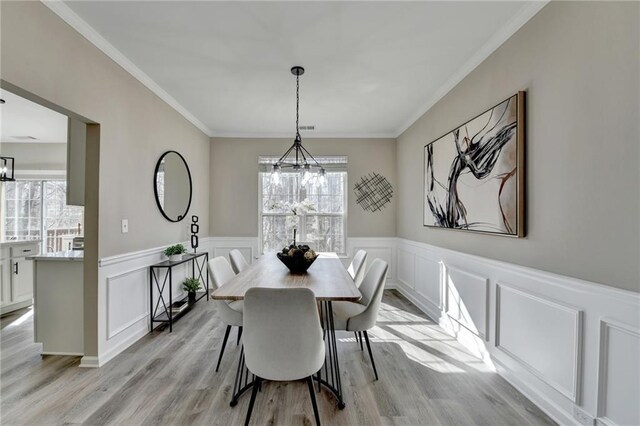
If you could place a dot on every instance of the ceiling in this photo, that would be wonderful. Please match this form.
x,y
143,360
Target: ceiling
x,y
23,121
372,68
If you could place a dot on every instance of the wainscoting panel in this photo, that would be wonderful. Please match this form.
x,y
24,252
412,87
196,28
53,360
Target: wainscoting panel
x,y
407,268
127,300
466,299
535,330
376,248
429,281
221,246
619,374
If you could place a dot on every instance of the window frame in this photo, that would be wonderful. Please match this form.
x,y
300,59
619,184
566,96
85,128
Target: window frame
x,y
344,214
43,207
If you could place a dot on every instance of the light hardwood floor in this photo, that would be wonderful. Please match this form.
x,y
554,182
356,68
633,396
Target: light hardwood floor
x,y
426,378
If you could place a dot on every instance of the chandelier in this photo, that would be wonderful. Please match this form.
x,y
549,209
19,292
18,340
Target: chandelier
x,y
303,161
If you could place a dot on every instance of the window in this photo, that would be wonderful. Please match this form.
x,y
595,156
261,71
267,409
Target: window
x,y
320,218
33,209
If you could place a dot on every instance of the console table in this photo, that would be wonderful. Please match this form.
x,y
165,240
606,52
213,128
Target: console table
x,y
161,274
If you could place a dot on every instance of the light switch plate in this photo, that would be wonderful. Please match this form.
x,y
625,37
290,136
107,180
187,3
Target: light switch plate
x,y
125,226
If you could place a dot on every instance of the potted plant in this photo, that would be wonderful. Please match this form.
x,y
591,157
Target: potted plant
x,y
175,252
191,285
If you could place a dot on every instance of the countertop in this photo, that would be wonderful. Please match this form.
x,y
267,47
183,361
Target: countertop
x,y
69,255
18,242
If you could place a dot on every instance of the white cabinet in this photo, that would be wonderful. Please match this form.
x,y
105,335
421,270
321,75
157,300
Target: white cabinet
x,y
16,275
21,280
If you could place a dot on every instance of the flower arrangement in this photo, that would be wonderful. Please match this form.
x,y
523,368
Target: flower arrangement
x,y
297,258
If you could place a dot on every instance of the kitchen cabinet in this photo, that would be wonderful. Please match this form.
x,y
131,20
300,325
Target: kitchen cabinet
x,y
16,274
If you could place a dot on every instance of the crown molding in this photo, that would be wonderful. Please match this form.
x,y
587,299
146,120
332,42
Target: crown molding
x,y
481,54
290,135
81,26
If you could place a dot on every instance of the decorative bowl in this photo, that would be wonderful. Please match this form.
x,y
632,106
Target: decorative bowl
x,y
297,258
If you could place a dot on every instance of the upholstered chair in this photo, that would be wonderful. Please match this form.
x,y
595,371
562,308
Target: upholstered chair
x,y
230,312
282,338
358,267
362,315
238,262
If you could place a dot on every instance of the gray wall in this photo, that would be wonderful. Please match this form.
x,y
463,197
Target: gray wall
x,y
136,126
37,156
578,62
234,181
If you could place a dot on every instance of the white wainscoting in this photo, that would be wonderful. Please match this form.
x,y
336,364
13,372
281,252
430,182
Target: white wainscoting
x,y
565,343
123,298
534,330
619,373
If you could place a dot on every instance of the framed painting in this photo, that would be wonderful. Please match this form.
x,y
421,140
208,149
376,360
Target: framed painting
x,y
474,176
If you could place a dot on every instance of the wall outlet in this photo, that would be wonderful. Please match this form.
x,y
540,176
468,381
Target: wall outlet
x,y
582,416
124,226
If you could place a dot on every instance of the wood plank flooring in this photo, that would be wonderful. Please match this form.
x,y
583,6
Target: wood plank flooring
x,y
426,378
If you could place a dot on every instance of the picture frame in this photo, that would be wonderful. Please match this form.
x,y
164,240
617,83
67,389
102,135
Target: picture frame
x,y
474,175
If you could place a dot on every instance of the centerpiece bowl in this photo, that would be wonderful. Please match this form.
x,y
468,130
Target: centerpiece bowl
x,y
297,258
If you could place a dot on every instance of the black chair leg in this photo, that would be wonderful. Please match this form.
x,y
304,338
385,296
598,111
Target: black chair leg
x,y
357,337
254,392
373,363
224,343
239,335
361,343
313,400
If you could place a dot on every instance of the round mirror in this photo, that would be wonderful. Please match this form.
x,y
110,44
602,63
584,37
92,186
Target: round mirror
x,y
172,186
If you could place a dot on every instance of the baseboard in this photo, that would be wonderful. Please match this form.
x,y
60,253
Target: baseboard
x,y
89,362
63,353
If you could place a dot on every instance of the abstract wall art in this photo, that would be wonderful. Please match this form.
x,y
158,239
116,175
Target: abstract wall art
x,y
373,192
474,175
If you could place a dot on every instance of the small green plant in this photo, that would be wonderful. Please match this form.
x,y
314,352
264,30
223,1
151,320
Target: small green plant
x,y
191,285
175,249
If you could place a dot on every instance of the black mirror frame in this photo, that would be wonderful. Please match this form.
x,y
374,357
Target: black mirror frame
x,y
155,186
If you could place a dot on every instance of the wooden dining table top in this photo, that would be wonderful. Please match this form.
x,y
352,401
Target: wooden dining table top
x,y
327,278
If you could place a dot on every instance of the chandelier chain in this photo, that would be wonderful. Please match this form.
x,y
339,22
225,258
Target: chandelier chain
x,y
297,103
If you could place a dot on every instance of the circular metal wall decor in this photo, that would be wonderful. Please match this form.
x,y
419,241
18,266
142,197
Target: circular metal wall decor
x,y
373,192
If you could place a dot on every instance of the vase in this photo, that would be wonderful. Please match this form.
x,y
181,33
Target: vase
x,y
191,297
175,257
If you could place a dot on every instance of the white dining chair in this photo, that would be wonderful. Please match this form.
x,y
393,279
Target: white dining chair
x,y
282,338
358,267
356,271
362,315
230,312
238,262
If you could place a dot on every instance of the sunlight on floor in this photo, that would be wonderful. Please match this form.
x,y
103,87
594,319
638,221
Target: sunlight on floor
x,y
423,341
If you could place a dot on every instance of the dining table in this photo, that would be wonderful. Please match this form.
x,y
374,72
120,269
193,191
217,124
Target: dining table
x,y
327,278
